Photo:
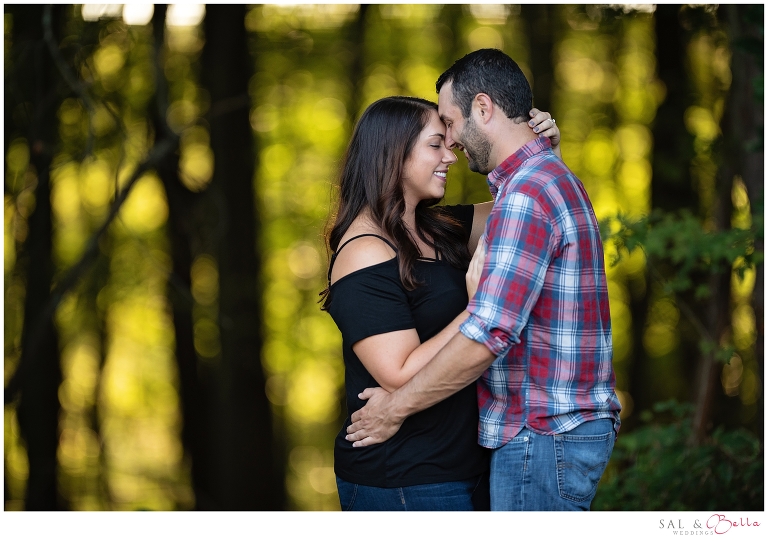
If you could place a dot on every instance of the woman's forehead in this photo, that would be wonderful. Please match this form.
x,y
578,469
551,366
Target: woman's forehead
x,y
434,122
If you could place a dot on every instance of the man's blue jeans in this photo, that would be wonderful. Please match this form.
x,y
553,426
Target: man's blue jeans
x,y
468,495
551,473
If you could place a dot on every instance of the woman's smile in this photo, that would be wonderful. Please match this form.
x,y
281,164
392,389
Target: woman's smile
x,y
426,168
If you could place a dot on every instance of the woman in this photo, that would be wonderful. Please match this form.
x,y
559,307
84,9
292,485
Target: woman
x,y
397,289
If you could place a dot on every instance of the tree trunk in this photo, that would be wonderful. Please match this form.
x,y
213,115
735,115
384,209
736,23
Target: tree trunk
x,y
742,126
94,320
671,188
249,476
40,376
672,144
539,24
357,66
183,229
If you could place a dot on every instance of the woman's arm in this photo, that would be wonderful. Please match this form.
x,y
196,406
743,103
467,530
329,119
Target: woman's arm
x,y
544,125
393,358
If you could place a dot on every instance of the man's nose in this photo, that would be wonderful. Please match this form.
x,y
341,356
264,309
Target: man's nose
x,y
449,142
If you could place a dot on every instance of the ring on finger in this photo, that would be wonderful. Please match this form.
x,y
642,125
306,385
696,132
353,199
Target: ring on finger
x,y
553,121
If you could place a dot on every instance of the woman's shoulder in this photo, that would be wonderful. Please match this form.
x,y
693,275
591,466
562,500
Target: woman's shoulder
x,y
360,249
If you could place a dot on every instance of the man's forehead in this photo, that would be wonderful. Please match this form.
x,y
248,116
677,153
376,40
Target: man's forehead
x,y
445,94
445,100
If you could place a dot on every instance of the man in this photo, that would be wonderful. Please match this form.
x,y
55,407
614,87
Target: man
x,y
539,330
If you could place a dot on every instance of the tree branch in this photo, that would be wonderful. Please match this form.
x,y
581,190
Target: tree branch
x,y
682,305
75,272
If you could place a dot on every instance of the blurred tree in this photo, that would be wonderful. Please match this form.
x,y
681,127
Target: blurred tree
x,y
94,315
37,85
671,187
673,145
542,29
357,30
248,474
182,230
714,307
742,148
697,254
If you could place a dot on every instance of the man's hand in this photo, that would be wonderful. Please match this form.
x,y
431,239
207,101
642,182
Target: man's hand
x,y
374,423
459,363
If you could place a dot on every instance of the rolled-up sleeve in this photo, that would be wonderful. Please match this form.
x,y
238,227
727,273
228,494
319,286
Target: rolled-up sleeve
x,y
520,242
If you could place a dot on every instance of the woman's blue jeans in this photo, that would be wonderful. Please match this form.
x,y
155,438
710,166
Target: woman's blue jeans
x,y
468,495
551,473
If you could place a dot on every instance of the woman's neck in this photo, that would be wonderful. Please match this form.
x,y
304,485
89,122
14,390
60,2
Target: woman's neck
x,y
366,220
409,218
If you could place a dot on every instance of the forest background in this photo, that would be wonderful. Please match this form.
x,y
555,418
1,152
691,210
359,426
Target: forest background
x,y
168,175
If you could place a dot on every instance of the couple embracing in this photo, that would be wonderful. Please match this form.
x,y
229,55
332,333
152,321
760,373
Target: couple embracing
x,y
517,335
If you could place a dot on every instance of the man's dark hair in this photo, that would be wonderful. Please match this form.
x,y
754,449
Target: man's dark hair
x,y
491,72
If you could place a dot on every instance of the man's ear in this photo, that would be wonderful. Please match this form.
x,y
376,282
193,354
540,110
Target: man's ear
x,y
483,106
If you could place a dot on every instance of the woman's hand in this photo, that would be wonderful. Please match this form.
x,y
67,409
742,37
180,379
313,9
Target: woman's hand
x,y
544,125
476,268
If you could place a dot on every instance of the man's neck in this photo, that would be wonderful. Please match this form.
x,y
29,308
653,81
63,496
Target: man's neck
x,y
510,138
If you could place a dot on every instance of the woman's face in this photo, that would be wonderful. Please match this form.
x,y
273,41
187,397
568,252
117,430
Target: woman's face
x,y
427,165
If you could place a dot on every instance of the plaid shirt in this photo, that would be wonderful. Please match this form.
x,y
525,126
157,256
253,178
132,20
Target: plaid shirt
x,y
542,303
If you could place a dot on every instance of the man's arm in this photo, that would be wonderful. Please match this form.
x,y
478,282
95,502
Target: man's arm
x,y
456,365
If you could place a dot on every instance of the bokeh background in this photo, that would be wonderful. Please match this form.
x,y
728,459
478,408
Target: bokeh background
x,y
168,175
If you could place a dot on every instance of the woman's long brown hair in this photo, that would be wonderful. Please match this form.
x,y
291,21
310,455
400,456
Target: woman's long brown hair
x,y
371,178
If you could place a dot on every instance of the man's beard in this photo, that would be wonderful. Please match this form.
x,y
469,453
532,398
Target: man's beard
x,y
478,148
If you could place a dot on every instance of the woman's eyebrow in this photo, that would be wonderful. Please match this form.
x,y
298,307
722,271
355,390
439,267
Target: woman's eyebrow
x,y
440,135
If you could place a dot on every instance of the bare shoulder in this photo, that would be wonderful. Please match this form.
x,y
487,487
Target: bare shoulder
x,y
360,253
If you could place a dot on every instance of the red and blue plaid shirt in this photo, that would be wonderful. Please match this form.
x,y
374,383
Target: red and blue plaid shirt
x,y
542,303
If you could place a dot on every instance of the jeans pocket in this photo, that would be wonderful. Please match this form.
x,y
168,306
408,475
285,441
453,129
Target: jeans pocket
x,y
347,493
581,461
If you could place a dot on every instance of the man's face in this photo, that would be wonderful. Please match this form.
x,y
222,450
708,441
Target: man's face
x,y
463,133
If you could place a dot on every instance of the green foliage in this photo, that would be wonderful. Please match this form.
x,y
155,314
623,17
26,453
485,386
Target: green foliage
x,y
656,468
681,245
680,239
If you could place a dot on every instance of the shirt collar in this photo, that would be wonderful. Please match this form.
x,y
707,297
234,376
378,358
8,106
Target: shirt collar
x,y
508,167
